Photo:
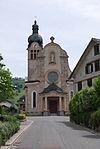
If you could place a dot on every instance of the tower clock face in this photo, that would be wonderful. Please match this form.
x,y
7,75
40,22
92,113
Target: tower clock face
x,y
52,77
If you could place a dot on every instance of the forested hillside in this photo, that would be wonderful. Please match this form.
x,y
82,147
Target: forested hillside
x,y
19,84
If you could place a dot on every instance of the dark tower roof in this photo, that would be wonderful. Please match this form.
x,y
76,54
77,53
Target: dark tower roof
x,y
35,37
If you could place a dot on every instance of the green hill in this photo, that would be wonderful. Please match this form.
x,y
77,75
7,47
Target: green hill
x,y
19,84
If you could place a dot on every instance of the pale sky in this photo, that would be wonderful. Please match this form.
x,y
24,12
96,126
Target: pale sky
x,y
72,22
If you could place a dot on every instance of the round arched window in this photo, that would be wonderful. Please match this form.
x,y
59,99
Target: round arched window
x,y
34,99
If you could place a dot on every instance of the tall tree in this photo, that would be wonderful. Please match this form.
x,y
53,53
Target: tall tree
x,y
97,87
6,85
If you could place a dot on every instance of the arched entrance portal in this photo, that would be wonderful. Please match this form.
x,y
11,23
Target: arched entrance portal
x,y
53,100
53,104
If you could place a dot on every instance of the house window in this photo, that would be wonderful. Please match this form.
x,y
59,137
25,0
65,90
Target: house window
x,y
89,82
71,94
89,68
97,65
34,99
31,54
96,49
79,86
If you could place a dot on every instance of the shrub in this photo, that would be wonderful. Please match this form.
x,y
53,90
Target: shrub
x,y
0,139
74,107
88,100
3,134
8,126
20,116
82,105
8,118
86,118
95,120
7,129
97,87
0,110
85,106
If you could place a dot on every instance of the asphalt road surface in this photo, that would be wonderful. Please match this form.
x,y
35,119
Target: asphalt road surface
x,y
55,132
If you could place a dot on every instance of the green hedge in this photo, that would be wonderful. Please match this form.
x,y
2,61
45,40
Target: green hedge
x,y
84,106
0,110
9,125
7,118
95,120
20,116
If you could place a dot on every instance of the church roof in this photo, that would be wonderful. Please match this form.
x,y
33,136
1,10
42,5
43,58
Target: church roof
x,y
52,87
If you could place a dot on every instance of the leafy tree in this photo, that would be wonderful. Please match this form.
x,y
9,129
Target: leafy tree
x,y
84,103
6,87
95,120
74,107
88,100
97,87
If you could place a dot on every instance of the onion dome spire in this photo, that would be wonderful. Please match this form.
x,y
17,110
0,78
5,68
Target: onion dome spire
x,y
35,27
35,37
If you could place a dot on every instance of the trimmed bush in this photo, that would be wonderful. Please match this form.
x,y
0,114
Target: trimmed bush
x,y
95,120
20,116
0,139
84,106
97,87
0,110
7,118
7,129
8,126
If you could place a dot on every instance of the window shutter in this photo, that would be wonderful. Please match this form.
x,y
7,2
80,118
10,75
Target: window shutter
x,y
79,86
91,67
96,49
89,82
97,65
86,69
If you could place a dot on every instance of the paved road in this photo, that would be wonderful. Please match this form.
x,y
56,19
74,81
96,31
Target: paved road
x,y
57,133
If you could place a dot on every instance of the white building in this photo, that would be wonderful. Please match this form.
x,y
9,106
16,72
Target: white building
x,y
88,66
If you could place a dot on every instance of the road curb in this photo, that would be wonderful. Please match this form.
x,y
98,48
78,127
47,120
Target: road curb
x,y
88,129
92,131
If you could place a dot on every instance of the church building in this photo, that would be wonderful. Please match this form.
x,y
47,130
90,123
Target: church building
x,y
47,90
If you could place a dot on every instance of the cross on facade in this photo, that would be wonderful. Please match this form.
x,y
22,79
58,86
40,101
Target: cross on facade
x,y
52,39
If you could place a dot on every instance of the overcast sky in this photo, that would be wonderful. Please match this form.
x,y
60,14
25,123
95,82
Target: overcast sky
x,y
72,22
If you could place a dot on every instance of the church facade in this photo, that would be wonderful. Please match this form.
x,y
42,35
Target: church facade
x,y
47,91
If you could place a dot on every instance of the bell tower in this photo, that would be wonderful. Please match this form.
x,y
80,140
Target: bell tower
x,y
34,47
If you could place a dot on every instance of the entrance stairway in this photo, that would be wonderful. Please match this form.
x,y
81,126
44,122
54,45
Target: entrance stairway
x,y
53,114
